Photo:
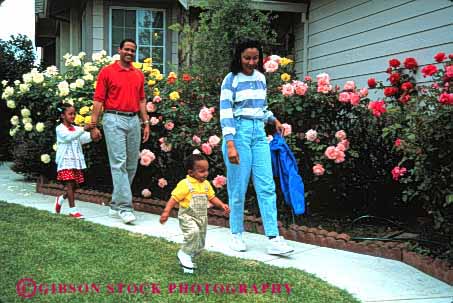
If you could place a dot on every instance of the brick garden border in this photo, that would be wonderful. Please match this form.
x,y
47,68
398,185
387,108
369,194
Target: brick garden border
x,y
437,268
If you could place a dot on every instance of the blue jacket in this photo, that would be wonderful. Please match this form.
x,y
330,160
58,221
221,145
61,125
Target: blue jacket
x,y
284,166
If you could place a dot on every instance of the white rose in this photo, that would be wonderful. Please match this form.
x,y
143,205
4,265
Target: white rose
x,y
67,56
10,104
80,83
72,86
45,158
25,112
26,120
24,88
4,83
76,61
38,78
52,70
39,127
16,82
69,101
82,55
27,77
8,92
88,77
116,57
54,147
103,53
28,127
14,120
96,57
12,132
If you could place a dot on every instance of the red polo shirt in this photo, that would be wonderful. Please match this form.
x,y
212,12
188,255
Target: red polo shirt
x,y
119,88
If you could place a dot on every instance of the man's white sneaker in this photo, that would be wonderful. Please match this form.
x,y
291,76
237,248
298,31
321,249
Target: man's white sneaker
x,y
113,213
126,216
237,243
185,260
278,246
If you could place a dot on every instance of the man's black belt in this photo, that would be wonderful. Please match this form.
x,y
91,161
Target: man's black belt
x,y
127,114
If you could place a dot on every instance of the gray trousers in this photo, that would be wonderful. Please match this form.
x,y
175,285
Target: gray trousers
x,y
122,136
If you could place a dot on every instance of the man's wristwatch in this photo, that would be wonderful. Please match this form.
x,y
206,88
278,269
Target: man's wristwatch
x,y
146,122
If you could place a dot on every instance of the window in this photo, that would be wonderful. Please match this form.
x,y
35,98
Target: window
x,y
146,27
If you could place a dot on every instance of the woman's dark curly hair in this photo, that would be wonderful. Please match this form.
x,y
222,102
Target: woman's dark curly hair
x,y
242,45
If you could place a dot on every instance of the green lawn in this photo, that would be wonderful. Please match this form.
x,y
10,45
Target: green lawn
x,y
53,249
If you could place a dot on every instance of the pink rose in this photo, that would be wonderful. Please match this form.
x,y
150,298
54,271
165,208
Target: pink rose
x,y
340,135
206,148
219,181
445,98
205,114
146,193
324,88
300,87
162,183
151,107
212,109
161,140
287,129
169,125
196,139
449,71
355,99
214,141
344,97
307,78
145,160
166,147
339,156
287,90
157,99
318,170
345,143
331,153
398,172
398,142
270,66
153,120
311,135
275,58
323,79
349,85
363,92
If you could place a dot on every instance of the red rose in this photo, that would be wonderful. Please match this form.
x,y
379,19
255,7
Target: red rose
x,y
439,57
186,77
171,80
450,56
407,86
429,70
394,78
446,99
389,70
390,91
410,63
372,83
394,63
404,99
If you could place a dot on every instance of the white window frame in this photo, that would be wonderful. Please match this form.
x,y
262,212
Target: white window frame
x,y
111,8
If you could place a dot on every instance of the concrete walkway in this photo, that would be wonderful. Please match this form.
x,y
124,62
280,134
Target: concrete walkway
x,y
370,279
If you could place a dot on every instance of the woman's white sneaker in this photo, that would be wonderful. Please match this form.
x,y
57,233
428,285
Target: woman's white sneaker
x,y
278,246
237,243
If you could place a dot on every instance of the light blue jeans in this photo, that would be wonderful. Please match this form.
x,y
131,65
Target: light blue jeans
x,y
255,158
122,136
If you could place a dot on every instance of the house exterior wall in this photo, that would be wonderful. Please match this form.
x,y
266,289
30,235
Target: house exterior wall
x,y
354,39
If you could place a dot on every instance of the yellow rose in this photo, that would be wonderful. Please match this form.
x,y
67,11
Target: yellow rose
x,y
91,107
94,84
174,96
84,110
159,77
285,77
156,92
87,120
147,68
285,61
148,60
79,119
172,75
151,82
137,64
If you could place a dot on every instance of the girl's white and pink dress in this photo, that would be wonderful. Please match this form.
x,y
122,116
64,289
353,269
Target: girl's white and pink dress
x,y
69,158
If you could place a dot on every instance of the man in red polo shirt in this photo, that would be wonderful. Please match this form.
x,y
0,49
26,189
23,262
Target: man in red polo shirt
x,y
120,93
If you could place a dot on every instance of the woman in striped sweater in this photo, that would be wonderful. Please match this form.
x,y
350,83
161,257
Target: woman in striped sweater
x,y
243,115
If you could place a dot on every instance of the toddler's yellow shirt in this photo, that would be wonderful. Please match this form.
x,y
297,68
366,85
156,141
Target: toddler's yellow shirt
x,y
182,194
